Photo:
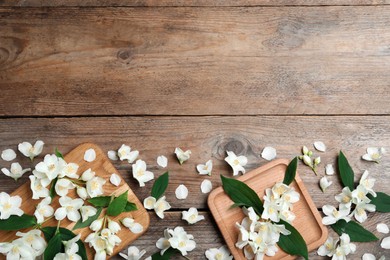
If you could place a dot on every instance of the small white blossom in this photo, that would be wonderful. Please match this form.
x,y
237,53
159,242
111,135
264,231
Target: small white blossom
x,y
38,190
90,155
324,183
16,171
133,253
368,256
268,153
162,161
31,151
329,248
10,205
8,155
181,155
17,249
112,155
87,175
115,179
382,228
191,216
87,211
181,192
236,162
149,202
205,169
134,227
113,226
44,210
206,186
329,169
82,192
320,146
125,153
367,183
374,154
333,215
69,208
34,240
181,240
49,169
96,225
385,244
140,173
95,186
360,211
221,253
160,206
69,170
345,198
63,186
71,249
163,243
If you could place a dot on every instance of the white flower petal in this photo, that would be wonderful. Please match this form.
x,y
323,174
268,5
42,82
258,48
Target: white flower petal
x,y
320,146
115,179
382,228
269,153
162,161
385,244
136,228
181,192
324,183
90,155
368,256
112,155
329,169
8,155
206,186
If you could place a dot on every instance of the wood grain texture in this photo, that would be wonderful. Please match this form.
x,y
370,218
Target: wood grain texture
x,y
164,3
209,138
194,61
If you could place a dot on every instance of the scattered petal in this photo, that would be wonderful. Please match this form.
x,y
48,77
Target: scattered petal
x,y
162,161
181,192
320,146
324,183
90,155
181,155
115,179
205,169
385,244
269,153
329,169
368,256
382,228
112,155
8,155
206,186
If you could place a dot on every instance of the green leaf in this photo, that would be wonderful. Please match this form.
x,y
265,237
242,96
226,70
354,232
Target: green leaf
x,y
381,202
160,185
293,244
241,194
117,206
102,201
16,223
49,232
58,154
346,172
52,188
130,206
88,221
291,170
167,254
356,232
54,246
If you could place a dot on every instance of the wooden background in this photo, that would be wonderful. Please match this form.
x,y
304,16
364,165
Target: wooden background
x,y
201,75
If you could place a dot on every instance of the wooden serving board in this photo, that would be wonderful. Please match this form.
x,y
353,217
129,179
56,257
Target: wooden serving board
x,y
103,168
308,220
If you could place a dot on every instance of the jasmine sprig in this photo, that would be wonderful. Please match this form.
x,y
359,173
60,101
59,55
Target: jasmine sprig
x,y
306,158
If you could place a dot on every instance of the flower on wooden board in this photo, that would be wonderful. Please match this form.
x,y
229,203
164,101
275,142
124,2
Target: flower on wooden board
x,y
10,205
69,209
43,210
133,253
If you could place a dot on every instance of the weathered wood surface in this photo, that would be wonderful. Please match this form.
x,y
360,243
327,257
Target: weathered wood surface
x,y
163,3
194,61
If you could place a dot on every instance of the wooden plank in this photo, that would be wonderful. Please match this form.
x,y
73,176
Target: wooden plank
x,y
41,3
210,137
188,61
206,235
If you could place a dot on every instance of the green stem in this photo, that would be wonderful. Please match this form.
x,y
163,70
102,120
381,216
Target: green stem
x,y
58,226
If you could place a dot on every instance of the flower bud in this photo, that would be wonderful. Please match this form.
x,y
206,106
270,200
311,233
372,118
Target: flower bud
x,y
113,226
82,192
310,153
317,161
127,222
305,151
307,160
96,225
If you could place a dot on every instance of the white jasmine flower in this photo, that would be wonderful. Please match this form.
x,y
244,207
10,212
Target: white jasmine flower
x,y
320,146
161,206
95,186
16,171
268,153
329,169
49,168
86,212
345,198
205,169
115,179
221,253
125,153
96,225
206,186
141,174
70,170
360,211
69,208
163,243
82,192
367,183
329,248
38,190
43,210
71,249
31,151
8,155
368,256
133,253
333,215
134,227
182,241
236,162
10,205
63,186
324,183
87,175
112,155
181,155
360,195
385,244
34,240
149,202
17,249
181,192
374,154
270,207
112,239
162,161
382,228
346,247
113,226
90,155
191,216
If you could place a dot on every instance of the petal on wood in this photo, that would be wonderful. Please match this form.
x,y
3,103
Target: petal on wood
x,y
329,170
90,155
112,155
368,256
181,192
206,186
385,243
8,155
382,228
320,146
269,153
115,179
162,161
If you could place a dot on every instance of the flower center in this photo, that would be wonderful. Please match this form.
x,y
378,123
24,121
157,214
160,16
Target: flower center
x,y
258,240
94,185
346,199
375,156
182,244
15,250
335,213
51,167
236,162
69,208
30,239
218,256
192,217
140,173
7,206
